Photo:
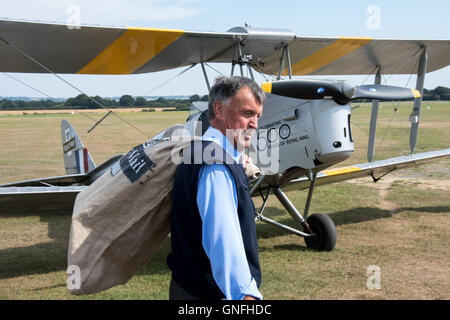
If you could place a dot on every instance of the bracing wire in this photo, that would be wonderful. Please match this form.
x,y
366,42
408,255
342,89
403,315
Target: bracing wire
x,y
405,62
207,64
368,133
168,80
68,83
41,92
274,76
386,131
29,86
145,93
414,67
371,73
395,105
50,97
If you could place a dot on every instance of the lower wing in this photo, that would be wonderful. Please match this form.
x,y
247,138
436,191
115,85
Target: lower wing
x,y
376,168
23,199
36,200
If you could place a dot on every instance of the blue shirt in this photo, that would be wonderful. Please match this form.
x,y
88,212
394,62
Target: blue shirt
x,y
221,233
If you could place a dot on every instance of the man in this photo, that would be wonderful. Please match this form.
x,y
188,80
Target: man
x,y
214,245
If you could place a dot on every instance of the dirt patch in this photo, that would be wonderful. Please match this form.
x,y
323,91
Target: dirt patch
x,y
386,182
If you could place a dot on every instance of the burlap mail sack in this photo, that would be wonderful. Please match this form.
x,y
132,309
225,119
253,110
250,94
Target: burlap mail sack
x,y
119,221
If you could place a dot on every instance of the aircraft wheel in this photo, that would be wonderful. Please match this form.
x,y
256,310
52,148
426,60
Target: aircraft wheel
x,y
325,230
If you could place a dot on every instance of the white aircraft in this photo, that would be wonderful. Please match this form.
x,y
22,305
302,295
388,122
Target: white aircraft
x,y
306,121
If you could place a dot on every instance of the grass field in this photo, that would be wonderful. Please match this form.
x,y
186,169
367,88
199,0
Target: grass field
x,y
401,224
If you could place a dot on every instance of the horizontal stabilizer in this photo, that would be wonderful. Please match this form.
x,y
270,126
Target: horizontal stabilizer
x,y
52,194
67,180
57,181
36,200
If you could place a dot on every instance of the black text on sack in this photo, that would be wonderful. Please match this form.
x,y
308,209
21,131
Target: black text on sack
x,y
135,163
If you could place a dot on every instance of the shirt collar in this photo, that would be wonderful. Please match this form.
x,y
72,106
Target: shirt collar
x,y
212,134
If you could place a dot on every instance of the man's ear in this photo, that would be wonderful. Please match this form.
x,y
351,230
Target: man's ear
x,y
218,110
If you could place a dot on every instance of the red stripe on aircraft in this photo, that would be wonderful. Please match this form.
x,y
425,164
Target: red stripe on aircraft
x,y
85,160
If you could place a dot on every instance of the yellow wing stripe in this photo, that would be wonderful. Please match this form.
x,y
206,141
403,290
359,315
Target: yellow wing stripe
x,y
333,172
328,54
134,48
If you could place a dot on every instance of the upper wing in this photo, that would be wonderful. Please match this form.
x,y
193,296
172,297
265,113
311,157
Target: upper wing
x,y
335,56
35,47
106,50
376,168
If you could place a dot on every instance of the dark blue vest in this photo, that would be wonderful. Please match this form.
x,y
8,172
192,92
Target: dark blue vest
x,y
190,265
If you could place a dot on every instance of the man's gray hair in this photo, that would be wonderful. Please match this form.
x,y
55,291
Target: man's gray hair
x,y
226,87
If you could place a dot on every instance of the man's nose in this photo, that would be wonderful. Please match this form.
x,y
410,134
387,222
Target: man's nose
x,y
253,124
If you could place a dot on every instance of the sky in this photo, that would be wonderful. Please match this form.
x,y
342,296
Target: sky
x,y
397,19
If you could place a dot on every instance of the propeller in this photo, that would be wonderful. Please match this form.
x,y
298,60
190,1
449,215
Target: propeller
x,y
342,92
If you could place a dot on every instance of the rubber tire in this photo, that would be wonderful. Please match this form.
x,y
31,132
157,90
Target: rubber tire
x,y
325,230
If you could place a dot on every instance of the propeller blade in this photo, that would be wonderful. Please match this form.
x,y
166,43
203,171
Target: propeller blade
x,y
383,92
342,92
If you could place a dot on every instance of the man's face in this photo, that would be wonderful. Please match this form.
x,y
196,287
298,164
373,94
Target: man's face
x,y
238,118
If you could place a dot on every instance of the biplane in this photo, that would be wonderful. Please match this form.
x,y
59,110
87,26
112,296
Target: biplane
x,y
305,126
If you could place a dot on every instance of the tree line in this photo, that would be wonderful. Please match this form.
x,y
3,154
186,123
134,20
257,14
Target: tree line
x,y
83,101
438,93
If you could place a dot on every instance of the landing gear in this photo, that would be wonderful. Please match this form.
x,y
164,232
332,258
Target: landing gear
x,y
319,230
325,233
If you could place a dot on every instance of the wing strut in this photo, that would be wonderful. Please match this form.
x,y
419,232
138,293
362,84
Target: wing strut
x,y
241,60
373,120
285,54
206,77
415,114
236,57
288,59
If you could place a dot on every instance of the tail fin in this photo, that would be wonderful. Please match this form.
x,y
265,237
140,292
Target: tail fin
x,y
77,159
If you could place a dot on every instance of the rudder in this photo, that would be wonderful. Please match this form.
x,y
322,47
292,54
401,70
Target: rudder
x,y
77,159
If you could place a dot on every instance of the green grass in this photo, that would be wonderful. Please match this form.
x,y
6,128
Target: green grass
x,y
405,230
434,129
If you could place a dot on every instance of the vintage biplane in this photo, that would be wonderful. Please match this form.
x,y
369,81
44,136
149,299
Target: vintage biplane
x,y
305,126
